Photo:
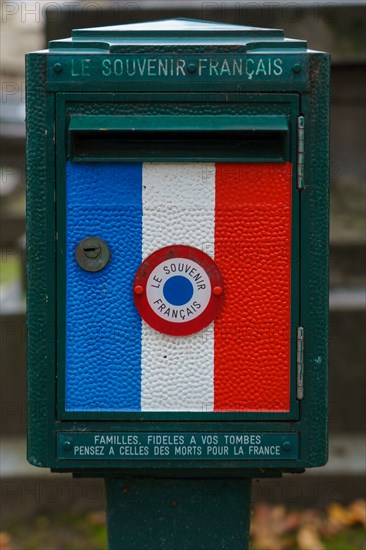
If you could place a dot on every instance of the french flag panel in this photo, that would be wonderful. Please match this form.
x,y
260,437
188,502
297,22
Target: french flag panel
x,y
237,213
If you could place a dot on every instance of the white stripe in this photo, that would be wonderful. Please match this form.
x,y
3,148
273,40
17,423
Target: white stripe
x,y
178,208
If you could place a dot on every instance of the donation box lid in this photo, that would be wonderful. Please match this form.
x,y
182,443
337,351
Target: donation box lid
x,y
177,31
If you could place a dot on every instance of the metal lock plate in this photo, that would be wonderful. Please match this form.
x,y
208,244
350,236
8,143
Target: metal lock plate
x,y
92,254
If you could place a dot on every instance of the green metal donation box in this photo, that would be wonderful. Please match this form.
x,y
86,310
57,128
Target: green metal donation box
x,y
177,266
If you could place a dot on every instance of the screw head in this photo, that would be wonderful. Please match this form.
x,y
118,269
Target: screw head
x,y
297,68
92,254
217,290
192,67
139,290
286,445
67,445
57,68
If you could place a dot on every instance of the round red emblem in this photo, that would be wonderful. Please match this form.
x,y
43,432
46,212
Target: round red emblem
x,y
178,290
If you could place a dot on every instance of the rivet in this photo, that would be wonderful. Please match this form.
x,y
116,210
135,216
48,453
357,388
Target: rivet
x,y
57,68
297,68
67,445
139,289
286,445
192,67
217,290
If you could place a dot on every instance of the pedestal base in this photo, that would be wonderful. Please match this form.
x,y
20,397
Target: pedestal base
x,y
178,514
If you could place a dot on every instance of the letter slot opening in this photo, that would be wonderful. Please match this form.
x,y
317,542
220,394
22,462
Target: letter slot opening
x,y
182,138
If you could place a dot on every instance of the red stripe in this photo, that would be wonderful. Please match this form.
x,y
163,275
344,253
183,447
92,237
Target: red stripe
x,y
253,252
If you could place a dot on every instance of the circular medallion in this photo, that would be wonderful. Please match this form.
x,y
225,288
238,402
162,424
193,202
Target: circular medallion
x,y
178,290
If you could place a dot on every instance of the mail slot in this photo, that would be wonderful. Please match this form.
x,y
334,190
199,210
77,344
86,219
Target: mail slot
x,y
185,138
177,251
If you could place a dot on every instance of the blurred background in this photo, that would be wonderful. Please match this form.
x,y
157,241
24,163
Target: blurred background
x,y
329,498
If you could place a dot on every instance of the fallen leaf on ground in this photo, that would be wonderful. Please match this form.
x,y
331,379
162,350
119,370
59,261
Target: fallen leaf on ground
x,y
291,522
264,528
5,541
357,512
312,518
97,518
339,515
308,539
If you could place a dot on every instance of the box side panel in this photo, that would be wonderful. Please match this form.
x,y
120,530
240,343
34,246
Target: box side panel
x,y
315,245
40,262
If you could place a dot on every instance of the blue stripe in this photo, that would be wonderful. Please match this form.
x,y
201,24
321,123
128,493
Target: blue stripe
x,y
103,328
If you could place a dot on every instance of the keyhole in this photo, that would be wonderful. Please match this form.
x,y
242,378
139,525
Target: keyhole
x,y
92,252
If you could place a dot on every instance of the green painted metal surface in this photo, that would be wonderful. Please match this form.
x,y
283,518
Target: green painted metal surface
x,y
189,70
149,514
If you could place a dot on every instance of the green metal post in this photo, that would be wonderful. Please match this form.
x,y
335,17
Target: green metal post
x,y
178,514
